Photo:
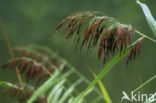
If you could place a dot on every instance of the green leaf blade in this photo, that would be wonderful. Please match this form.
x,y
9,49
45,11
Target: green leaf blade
x,y
7,84
104,71
102,87
150,19
47,85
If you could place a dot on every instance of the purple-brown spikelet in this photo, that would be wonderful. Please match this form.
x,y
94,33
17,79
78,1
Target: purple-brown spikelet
x,y
122,38
27,52
23,95
37,70
29,67
100,45
129,34
41,57
43,77
94,26
24,66
130,55
139,47
118,38
94,29
60,25
135,51
20,95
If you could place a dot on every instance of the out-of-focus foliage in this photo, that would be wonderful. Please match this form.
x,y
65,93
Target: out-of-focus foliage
x,y
32,21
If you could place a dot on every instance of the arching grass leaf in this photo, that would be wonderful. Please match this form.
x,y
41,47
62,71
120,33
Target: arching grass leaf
x,y
148,15
106,69
47,85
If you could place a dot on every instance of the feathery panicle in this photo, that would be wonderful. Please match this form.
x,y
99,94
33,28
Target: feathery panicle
x,y
33,54
23,95
48,62
29,67
48,52
93,29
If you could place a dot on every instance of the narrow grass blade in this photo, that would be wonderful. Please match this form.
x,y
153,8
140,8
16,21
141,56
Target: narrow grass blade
x,y
102,87
69,91
82,99
152,78
54,90
107,68
47,85
104,71
148,15
57,95
105,93
70,100
7,84
52,53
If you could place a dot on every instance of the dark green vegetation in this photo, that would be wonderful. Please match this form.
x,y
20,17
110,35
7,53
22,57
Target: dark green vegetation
x,y
31,22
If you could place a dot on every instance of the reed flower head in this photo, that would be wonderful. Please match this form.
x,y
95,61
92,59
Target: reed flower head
x,y
93,29
29,67
23,95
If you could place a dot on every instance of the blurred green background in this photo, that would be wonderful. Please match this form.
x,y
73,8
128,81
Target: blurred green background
x,y
31,21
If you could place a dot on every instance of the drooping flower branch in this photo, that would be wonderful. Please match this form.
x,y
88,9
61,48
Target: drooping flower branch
x,y
23,95
93,29
46,60
37,64
34,64
29,67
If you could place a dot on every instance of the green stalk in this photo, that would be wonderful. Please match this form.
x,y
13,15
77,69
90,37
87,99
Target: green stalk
x,y
102,87
11,53
106,69
145,83
143,35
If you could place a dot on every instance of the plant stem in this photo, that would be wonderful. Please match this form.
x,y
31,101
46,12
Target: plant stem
x,y
11,52
107,68
102,87
152,78
77,73
143,35
80,75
